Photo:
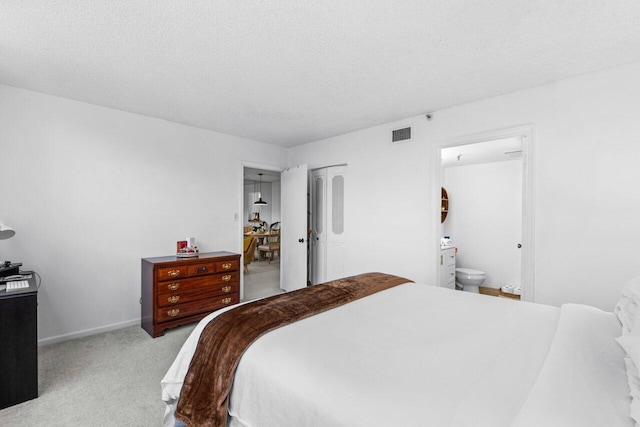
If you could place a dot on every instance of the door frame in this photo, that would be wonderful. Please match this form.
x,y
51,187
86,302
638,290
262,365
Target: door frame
x,y
243,165
526,133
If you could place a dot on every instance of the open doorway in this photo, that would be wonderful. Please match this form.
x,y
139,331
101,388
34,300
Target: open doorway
x,y
261,226
473,203
483,183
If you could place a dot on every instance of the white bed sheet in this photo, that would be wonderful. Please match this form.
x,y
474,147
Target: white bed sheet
x,y
412,355
583,382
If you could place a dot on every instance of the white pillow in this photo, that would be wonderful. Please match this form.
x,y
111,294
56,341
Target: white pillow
x,y
628,307
635,410
633,377
632,342
631,345
632,289
627,311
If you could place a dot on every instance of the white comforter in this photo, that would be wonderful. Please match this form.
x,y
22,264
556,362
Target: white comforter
x,y
412,355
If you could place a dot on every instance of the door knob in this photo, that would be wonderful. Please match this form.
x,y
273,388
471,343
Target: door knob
x,y
301,240
519,245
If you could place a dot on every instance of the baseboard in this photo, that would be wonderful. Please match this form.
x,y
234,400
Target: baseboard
x,y
87,332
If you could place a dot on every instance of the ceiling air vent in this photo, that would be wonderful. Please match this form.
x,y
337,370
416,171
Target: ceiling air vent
x,y
401,135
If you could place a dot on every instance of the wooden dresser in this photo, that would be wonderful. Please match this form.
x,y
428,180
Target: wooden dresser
x,y
176,291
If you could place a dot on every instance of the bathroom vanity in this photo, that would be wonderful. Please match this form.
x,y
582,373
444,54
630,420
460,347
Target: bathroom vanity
x,y
448,267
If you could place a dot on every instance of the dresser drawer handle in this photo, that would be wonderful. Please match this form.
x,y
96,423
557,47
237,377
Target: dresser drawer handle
x,y
226,266
226,289
226,300
201,269
173,299
173,286
173,273
226,277
174,312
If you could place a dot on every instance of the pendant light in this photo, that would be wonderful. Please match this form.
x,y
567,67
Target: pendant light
x,y
260,201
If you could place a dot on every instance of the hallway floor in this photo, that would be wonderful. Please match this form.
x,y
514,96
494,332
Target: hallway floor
x,y
263,280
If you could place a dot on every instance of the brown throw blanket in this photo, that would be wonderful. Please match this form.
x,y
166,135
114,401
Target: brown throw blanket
x,y
205,393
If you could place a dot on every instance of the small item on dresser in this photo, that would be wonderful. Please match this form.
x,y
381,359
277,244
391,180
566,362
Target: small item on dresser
x,y
187,248
188,253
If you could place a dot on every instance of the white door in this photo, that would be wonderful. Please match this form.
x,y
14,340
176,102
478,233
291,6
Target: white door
x,y
336,238
328,244
318,226
293,230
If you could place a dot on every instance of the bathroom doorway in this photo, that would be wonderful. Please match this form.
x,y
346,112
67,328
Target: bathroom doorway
x,y
488,181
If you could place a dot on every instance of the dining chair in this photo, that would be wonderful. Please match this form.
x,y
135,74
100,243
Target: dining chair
x,y
271,245
249,250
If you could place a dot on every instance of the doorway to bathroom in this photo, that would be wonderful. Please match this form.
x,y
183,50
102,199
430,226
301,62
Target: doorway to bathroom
x,y
489,215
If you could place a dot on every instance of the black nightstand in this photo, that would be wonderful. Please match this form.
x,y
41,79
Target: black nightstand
x,y
18,345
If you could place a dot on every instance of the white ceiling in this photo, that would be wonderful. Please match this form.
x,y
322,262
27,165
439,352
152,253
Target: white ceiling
x,y
290,72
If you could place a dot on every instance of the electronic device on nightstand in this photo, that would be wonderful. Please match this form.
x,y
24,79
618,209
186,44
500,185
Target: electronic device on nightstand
x,y
7,268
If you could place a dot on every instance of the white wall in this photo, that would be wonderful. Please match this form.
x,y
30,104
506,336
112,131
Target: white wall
x,y
485,218
275,201
90,191
586,148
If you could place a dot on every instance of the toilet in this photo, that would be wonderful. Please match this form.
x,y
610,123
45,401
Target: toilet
x,y
469,279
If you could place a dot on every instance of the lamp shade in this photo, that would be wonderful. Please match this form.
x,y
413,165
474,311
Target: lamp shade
x,y
6,232
260,202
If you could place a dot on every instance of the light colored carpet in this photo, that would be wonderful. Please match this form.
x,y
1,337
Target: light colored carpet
x,y
109,379
263,280
113,379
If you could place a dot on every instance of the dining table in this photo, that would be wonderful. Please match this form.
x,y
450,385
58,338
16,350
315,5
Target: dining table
x,y
260,235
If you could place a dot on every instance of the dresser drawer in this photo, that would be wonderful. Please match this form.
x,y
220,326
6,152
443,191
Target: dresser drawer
x,y
176,286
168,273
211,291
178,311
222,266
200,269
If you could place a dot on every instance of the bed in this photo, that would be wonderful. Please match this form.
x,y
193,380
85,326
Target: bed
x,y
419,355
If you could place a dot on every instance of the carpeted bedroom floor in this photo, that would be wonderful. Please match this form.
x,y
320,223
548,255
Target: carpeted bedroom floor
x,y
113,378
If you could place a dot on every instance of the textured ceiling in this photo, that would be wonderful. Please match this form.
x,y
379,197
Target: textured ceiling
x,y
290,72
